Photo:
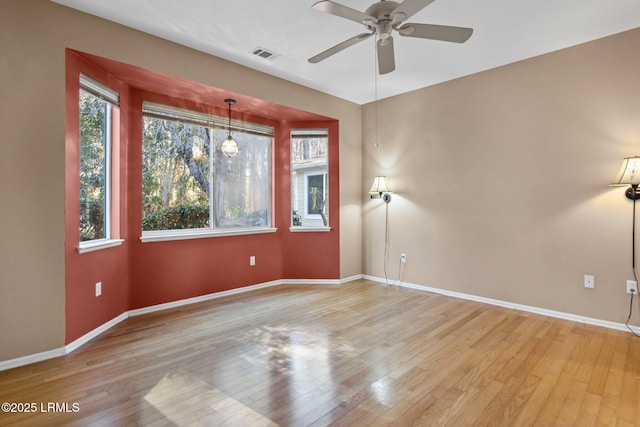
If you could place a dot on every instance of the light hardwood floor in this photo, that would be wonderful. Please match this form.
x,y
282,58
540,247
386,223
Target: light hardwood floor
x,y
362,354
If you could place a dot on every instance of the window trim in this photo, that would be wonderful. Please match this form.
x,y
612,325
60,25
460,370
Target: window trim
x,y
111,98
200,233
99,90
98,244
307,229
309,133
169,112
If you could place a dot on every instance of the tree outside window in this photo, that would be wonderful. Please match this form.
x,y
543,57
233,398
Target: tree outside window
x,y
188,183
95,131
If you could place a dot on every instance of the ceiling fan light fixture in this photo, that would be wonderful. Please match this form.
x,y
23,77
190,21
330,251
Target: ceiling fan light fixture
x,y
406,30
384,30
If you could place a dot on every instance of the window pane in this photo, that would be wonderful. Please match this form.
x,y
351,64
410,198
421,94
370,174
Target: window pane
x,y
94,131
175,175
242,183
188,182
309,189
315,194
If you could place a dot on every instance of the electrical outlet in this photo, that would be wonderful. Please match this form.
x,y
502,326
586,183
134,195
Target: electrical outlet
x,y
403,258
589,281
98,289
252,260
632,287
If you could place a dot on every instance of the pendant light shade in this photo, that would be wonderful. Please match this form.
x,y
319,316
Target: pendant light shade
x,y
229,146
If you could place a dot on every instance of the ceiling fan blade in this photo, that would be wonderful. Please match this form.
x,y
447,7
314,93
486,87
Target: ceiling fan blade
x,y
436,32
342,11
339,47
386,57
408,8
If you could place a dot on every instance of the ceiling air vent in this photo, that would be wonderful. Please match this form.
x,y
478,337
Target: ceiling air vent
x,y
264,53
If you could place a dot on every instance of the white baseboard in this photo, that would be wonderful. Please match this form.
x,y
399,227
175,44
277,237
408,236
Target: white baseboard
x,y
94,333
187,301
309,282
511,305
39,357
32,358
351,278
215,295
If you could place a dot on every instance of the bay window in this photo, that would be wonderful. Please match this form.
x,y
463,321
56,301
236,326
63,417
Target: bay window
x,y
190,188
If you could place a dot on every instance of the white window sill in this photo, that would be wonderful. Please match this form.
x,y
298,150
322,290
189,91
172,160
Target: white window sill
x,y
300,229
96,245
168,235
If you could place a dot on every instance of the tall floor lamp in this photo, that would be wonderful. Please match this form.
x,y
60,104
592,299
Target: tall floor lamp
x,y
629,174
380,190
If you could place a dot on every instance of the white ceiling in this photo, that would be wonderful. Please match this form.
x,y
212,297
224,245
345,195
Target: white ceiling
x,y
505,31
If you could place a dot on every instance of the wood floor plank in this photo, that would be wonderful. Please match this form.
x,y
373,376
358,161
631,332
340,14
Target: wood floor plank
x,y
588,414
564,395
571,407
357,354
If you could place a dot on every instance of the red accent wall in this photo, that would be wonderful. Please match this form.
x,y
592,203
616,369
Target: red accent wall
x,y
83,310
136,274
311,255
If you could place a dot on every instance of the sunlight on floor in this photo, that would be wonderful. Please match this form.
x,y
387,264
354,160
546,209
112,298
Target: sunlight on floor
x,y
184,400
293,348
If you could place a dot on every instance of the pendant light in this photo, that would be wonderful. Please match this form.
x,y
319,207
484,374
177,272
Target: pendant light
x,y
229,146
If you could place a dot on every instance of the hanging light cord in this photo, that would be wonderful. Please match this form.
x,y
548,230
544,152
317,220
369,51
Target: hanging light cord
x,y
229,123
386,242
386,250
375,87
633,264
386,212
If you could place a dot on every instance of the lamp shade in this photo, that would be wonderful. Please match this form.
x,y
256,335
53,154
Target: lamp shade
x,y
229,147
380,185
629,173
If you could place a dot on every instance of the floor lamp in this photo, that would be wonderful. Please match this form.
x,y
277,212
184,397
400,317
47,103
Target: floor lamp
x,y
629,174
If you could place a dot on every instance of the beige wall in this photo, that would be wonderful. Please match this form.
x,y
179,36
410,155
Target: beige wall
x,y
501,180
33,36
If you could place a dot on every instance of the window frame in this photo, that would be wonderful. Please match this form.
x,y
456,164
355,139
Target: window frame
x,y
111,98
211,122
311,133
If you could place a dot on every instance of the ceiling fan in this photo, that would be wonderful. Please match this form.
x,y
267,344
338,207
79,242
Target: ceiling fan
x,y
381,19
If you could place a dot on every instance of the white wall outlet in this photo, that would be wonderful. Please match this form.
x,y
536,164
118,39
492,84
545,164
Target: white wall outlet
x,y
98,289
252,260
632,287
403,258
589,281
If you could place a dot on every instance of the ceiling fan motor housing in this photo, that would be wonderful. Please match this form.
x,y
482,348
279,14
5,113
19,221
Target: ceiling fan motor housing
x,y
382,9
382,12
